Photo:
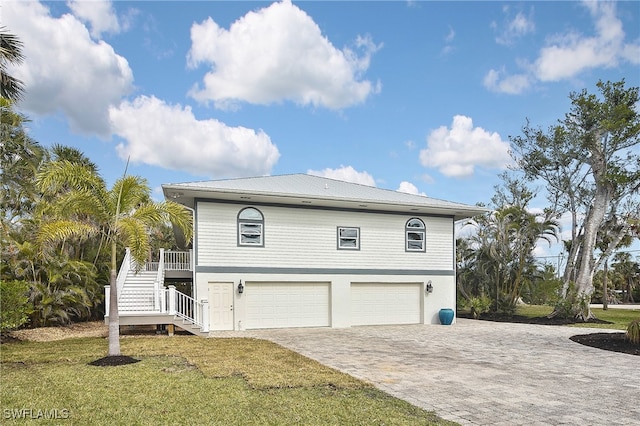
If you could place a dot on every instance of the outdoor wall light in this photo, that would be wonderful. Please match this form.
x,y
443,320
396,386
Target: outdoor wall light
x,y
429,287
240,288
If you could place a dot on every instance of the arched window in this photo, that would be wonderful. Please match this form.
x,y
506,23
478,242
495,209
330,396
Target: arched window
x,y
415,232
250,227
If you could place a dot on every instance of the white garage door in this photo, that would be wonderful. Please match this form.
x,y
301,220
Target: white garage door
x,y
386,303
276,305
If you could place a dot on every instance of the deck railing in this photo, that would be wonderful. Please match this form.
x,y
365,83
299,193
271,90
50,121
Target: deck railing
x,y
177,260
171,261
166,301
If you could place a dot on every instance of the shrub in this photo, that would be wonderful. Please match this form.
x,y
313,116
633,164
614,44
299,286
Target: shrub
x,y
479,305
633,331
542,292
506,305
14,306
571,306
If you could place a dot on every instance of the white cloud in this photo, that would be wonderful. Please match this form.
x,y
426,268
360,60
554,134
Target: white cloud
x,y
427,179
571,53
278,53
98,14
345,174
510,84
409,188
66,71
568,54
448,48
450,35
170,136
457,150
515,27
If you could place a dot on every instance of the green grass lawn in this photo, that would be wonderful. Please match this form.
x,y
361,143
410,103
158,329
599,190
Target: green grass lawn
x,y
188,380
619,318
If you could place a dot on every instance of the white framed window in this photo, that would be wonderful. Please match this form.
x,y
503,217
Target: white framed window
x,y
415,233
348,238
250,227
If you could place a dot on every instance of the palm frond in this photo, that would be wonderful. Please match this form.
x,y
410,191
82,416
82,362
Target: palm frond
x,y
181,217
133,192
82,205
133,233
59,230
59,176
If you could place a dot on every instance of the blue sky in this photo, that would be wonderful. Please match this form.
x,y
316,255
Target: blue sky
x,y
406,95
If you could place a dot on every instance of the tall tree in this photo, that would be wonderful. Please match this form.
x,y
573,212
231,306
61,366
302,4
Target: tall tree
x,y
123,215
629,272
502,261
590,163
10,53
20,157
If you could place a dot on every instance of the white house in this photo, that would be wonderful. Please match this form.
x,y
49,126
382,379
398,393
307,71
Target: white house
x,y
306,251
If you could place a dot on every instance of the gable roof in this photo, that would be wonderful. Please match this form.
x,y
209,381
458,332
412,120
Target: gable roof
x,y
308,190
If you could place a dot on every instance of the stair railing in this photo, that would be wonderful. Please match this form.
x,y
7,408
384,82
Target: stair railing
x,y
187,308
158,284
124,270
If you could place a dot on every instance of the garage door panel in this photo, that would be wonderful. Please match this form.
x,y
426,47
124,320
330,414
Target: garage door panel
x,y
276,305
386,303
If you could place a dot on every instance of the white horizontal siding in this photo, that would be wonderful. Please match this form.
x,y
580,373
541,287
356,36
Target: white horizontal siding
x,y
306,238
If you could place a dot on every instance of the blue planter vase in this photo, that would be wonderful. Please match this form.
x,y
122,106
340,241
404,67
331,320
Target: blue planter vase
x,y
446,316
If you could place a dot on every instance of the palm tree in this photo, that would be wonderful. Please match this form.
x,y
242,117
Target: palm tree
x,y
83,207
20,157
10,53
629,271
74,155
504,242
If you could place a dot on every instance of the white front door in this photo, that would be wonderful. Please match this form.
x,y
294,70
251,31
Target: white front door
x,y
221,306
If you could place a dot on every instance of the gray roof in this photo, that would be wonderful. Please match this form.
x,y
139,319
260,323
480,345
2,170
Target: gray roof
x,y
302,189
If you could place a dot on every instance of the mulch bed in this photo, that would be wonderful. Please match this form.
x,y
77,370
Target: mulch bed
x,y
113,361
615,342
526,320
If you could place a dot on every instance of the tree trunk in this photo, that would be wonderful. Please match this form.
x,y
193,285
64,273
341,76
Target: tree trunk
x,y
114,319
595,217
629,295
605,279
570,267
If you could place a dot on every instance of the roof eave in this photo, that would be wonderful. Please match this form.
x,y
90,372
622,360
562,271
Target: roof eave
x,y
186,195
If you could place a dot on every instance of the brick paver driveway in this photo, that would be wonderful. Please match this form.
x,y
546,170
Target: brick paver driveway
x,y
477,372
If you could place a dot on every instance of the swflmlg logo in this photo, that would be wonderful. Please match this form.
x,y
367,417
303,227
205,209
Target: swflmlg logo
x,y
30,413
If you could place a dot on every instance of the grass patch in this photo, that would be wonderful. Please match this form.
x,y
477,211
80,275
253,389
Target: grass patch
x,y
619,318
190,380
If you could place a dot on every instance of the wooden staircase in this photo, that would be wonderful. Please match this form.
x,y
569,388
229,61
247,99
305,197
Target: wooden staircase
x,y
143,298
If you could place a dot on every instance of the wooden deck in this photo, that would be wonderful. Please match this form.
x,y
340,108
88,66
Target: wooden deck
x,y
145,299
